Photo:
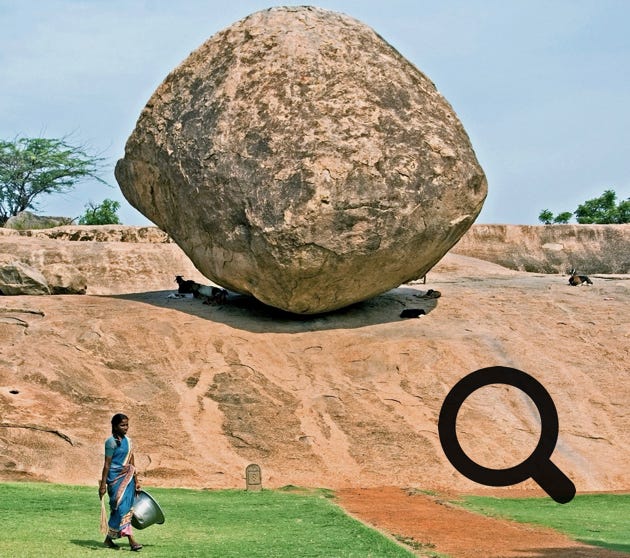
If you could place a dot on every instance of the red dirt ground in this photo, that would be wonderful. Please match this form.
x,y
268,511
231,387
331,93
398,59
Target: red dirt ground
x,y
435,527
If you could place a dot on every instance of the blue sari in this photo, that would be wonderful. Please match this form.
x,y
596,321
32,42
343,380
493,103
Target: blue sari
x,y
121,486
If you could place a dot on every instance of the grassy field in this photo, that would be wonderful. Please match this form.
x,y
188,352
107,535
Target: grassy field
x,y
50,520
597,519
38,520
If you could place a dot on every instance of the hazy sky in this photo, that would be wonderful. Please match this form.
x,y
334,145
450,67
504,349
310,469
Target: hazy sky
x,y
541,86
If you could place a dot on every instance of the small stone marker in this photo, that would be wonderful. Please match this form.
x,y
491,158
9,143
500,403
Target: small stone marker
x,y
253,477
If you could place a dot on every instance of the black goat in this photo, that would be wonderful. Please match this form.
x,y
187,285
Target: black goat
x,y
185,286
412,313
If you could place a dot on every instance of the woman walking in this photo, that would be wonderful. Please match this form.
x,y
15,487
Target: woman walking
x,y
120,482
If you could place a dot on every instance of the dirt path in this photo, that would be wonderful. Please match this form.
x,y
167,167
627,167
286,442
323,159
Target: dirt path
x,y
430,525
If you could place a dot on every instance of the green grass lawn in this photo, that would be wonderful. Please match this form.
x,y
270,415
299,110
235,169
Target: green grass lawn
x,y
47,520
597,519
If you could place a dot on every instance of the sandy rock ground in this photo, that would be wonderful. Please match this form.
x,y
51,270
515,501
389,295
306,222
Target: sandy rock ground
x,y
346,400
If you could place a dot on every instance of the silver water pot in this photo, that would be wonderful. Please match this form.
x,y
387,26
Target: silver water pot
x,y
146,511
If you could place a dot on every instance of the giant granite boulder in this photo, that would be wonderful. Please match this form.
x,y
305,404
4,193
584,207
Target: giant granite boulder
x,y
298,157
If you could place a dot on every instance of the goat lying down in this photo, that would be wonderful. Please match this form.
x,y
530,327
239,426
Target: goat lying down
x,y
578,280
184,286
208,294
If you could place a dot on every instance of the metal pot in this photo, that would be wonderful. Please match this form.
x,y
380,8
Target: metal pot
x,y
146,511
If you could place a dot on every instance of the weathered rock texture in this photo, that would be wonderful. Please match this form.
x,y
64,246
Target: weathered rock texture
x,y
18,278
27,220
65,279
351,398
95,233
550,248
102,258
298,157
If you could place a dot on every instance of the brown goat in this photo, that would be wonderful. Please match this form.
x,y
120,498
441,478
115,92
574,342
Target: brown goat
x,y
576,280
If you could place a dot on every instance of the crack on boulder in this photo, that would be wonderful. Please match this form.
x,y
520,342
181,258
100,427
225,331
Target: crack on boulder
x,y
12,320
40,429
21,311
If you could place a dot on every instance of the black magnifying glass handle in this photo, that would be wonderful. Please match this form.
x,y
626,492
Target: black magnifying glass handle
x,y
553,481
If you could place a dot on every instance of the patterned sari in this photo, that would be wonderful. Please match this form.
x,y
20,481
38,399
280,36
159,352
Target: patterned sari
x,y
121,486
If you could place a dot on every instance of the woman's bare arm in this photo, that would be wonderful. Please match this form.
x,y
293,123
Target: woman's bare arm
x,y
103,485
135,476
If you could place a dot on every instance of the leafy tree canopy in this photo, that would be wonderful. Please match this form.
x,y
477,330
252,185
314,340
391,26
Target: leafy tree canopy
x,y
563,218
31,167
101,214
545,217
603,210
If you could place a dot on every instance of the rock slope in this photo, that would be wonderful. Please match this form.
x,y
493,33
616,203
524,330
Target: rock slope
x,y
349,398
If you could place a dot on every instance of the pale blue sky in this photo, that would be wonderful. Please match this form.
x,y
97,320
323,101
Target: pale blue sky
x,y
541,86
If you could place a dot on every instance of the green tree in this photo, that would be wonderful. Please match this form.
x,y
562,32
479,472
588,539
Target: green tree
x,y
31,167
101,214
545,217
623,211
603,210
563,218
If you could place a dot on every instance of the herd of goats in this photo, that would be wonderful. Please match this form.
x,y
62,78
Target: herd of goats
x,y
216,295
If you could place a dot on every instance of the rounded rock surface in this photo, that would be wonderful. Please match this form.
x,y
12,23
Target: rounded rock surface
x,y
19,278
298,157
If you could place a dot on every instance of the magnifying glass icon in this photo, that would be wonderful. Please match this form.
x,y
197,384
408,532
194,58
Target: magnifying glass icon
x,y
537,466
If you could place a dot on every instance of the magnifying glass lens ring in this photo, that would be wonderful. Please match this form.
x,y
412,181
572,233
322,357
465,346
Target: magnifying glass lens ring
x,y
448,431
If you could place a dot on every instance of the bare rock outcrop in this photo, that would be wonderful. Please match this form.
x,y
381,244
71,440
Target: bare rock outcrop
x,y
19,275
298,157
18,278
65,279
351,398
550,248
107,266
96,233
27,220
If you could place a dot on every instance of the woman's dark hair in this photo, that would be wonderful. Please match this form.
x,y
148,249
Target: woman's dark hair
x,y
116,420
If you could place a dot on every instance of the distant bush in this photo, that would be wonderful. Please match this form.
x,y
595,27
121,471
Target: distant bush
x,y
563,218
101,214
545,217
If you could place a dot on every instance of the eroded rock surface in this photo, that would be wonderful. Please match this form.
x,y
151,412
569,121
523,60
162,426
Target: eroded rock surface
x,y
65,279
107,264
18,278
351,398
27,220
95,233
551,248
298,157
